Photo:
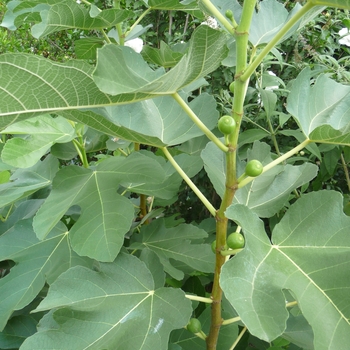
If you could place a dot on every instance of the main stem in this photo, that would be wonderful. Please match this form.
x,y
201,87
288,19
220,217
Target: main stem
x,y
241,35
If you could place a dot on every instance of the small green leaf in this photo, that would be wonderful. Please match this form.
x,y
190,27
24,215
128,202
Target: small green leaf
x,y
43,131
25,182
164,56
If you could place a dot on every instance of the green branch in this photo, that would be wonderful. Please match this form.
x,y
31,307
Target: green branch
x,y
79,146
284,30
137,21
198,122
189,182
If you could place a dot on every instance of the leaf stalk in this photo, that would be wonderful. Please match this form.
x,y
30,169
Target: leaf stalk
x,y
198,122
189,182
279,160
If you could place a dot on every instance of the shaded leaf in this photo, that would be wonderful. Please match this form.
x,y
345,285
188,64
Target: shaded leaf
x,y
171,5
116,307
309,256
175,243
24,182
85,48
169,186
164,56
17,330
36,263
189,341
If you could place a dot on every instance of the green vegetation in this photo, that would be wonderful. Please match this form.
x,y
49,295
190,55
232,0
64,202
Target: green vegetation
x,y
119,179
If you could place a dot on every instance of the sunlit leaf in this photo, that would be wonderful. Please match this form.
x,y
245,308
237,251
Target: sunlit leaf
x,y
105,215
162,118
322,109
62,15
206,51
309,256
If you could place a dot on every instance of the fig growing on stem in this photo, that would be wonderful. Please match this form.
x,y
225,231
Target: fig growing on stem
x,y
227,125
235,240
194,326
254,168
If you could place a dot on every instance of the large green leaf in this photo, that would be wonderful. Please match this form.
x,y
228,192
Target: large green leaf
x,y
47,86
322,109
42,132
36,263
105,215
25,182
175,243
267,22
162,119
172,5
68,14
131,75
267,193
309,256
114,308
33,85
53,16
